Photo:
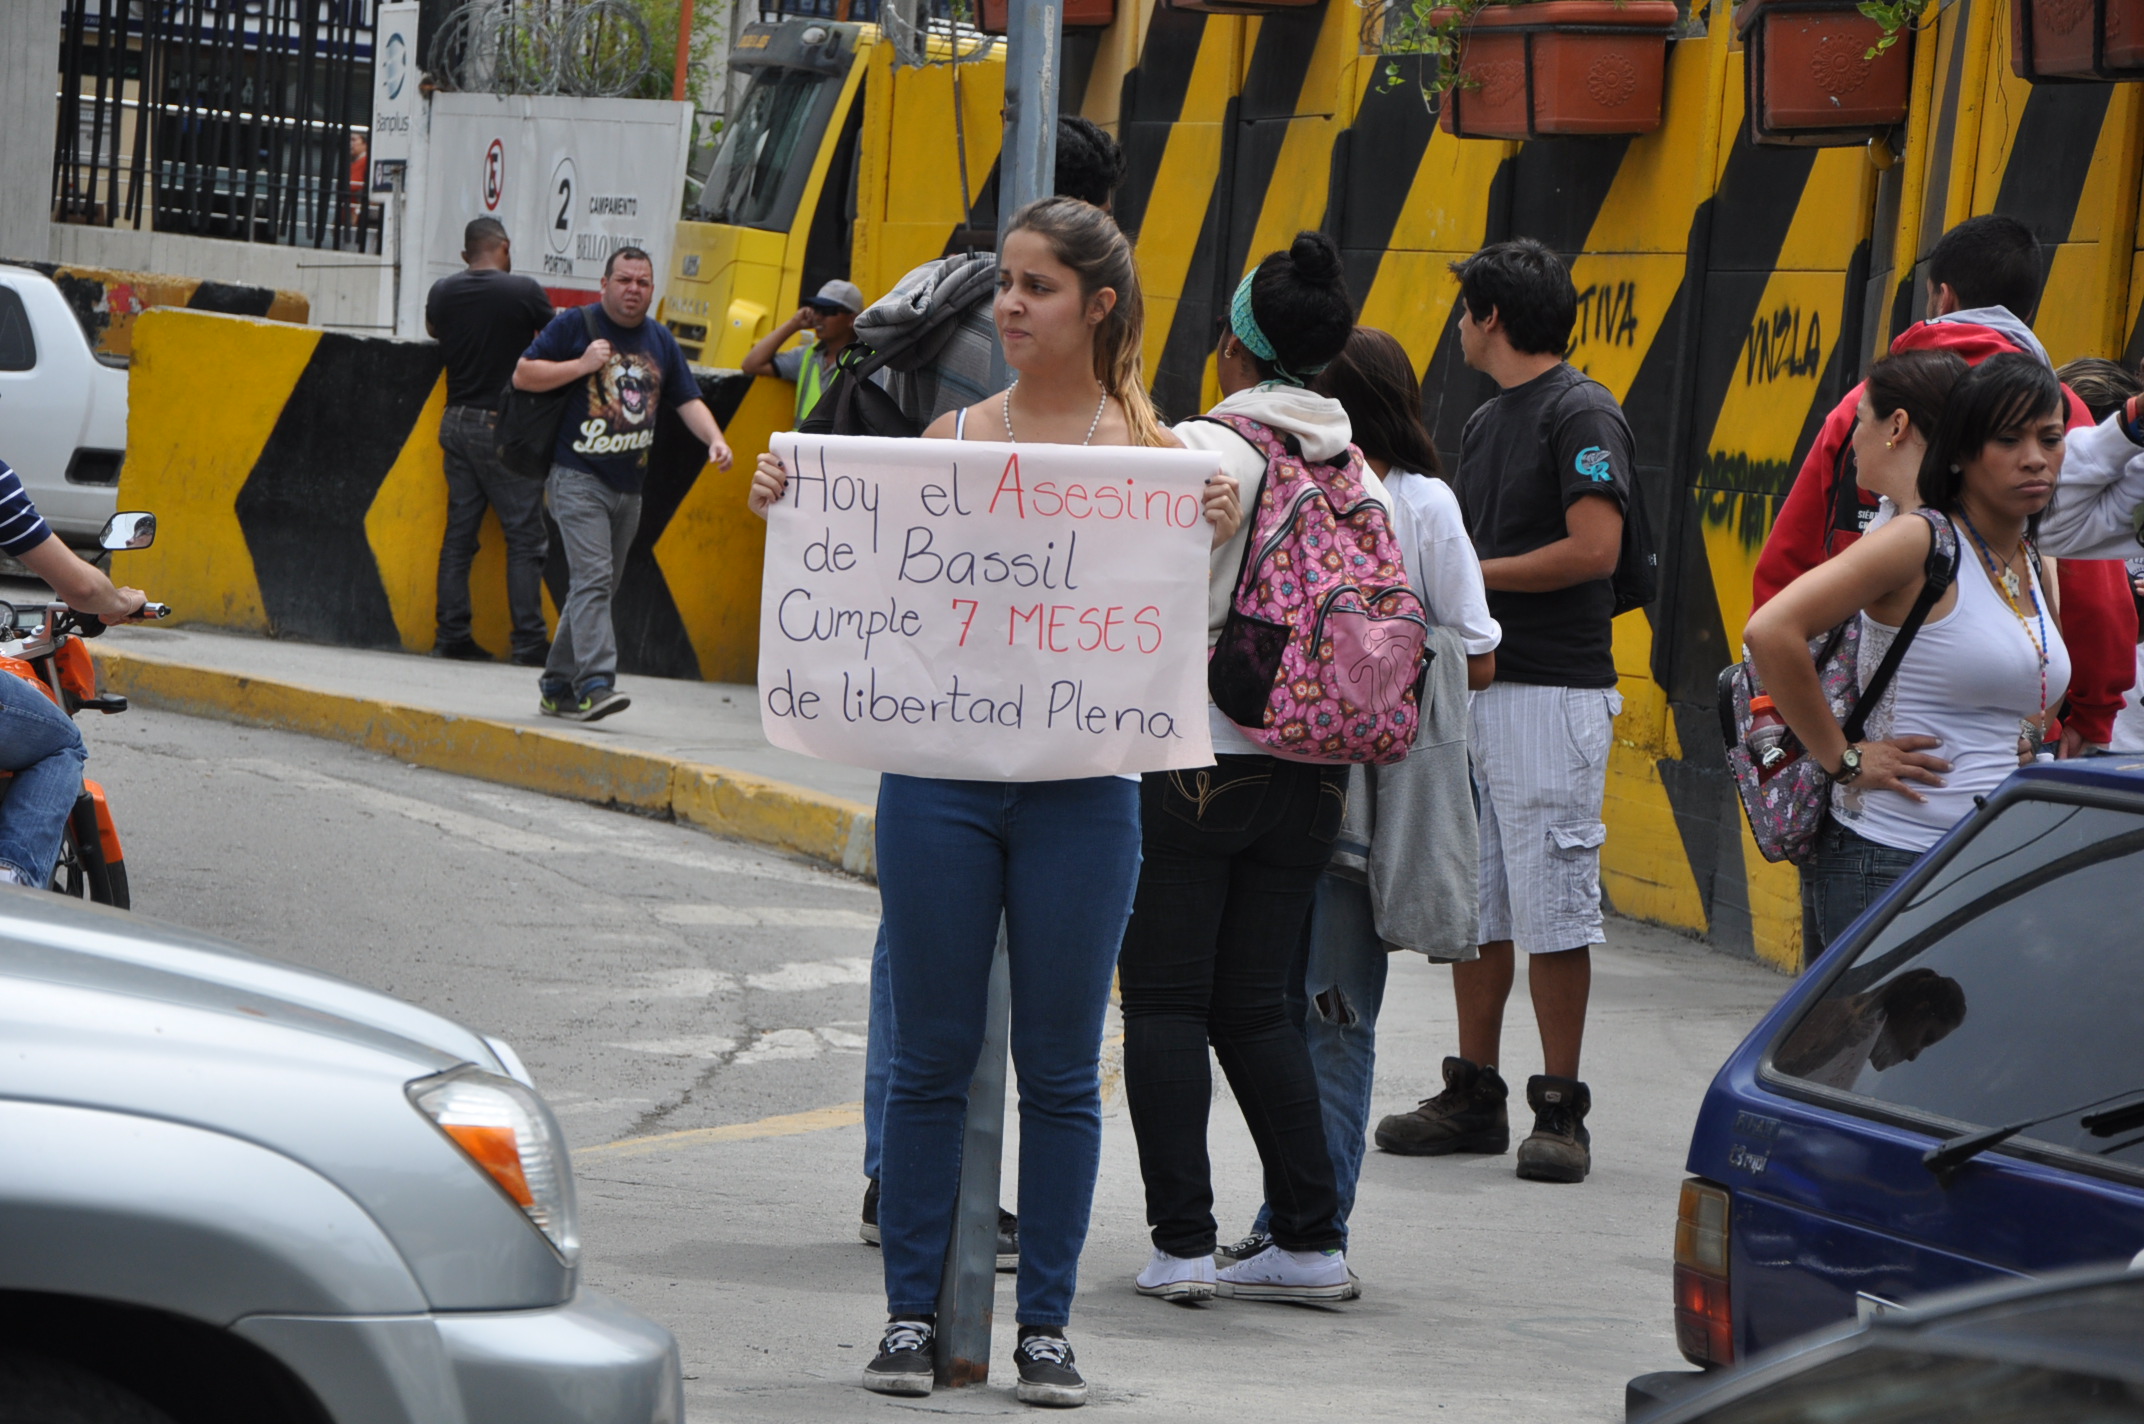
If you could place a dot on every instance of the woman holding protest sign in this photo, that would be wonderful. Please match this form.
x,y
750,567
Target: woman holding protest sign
x,y
1058,860
1232,857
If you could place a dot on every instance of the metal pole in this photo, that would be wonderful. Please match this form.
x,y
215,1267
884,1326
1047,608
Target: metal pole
x,y
968,1289
1027,166
684,49
1027,170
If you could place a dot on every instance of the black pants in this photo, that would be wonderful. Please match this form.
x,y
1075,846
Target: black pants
x,y
1232,858
476,481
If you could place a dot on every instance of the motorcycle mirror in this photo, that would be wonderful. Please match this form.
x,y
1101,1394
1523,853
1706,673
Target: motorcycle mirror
x,y
133,530
7,619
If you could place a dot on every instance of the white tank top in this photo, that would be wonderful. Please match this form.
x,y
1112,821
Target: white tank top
x,y
1967,678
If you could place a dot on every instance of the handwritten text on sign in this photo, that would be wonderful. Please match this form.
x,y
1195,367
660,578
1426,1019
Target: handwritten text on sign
x,y
987,612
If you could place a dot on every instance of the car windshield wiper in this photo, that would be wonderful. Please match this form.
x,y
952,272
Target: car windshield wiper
x,y
1946,1158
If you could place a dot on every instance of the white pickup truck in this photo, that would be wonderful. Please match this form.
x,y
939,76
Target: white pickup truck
x,y
63,408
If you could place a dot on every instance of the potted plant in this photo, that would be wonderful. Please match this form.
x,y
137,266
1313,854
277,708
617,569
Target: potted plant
x,y
1538,68
1237,7
2077,39
1826,73
1079,14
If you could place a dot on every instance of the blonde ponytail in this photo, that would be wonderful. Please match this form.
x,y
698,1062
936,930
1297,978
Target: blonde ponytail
x,y
1087,240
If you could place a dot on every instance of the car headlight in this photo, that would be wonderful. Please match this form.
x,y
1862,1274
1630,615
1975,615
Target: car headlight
x,y
504,1129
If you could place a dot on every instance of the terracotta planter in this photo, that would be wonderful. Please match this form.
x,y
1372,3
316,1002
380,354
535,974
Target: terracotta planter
x,y
1223,7
2077,39
1079,14
1560,67
1809,80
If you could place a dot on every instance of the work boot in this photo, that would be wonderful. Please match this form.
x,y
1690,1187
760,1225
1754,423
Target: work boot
x,y
1560,1149
1468,1116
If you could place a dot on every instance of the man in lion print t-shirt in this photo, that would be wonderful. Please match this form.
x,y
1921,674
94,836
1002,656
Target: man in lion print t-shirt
x,y
629,369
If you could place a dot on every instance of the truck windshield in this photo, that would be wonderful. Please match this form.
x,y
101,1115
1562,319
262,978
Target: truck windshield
x,y
2005,987
751,183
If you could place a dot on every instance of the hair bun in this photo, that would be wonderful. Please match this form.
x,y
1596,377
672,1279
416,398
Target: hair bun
x,y
1316,258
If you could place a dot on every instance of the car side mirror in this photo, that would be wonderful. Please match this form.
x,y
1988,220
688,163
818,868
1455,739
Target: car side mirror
x,y
136,530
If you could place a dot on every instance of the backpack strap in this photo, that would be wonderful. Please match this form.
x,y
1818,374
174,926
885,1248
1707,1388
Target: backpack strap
x,y
588,319
960,423
1940,571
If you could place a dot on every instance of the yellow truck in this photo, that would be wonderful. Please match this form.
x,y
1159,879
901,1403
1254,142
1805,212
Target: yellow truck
x,y
1730,291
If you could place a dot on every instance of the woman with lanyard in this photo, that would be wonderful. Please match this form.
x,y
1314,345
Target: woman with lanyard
x,y
1057,859
1968,704
1232,858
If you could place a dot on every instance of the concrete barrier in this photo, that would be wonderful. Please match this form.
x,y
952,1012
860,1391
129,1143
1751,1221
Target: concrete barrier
x,y
298,477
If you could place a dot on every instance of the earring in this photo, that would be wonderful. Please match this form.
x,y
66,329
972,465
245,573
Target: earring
x,y
1890,444
1954,469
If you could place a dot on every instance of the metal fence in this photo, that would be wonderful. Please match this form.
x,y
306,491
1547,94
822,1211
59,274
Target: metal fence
x,y
244,119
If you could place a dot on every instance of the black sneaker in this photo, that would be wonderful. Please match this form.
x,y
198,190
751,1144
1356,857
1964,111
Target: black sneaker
x,y
907,1359
1008,1241
1243,1250
462,650
561,702
1047,1372
532,657
1468,1116
869,1229
1560,1149
601,702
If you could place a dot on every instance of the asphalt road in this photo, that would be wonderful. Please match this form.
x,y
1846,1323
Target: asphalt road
x,y
695,1011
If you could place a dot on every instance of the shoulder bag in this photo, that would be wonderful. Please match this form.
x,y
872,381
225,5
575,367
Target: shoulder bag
x,y
1786,806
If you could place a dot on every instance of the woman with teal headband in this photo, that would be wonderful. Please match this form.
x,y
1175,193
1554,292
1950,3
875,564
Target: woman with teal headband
x,y
1230,859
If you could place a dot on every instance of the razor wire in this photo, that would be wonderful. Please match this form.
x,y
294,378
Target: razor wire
x,y
587,48
911,26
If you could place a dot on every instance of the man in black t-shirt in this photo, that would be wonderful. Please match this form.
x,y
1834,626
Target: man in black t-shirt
x,y
1545,471
483,318
622,373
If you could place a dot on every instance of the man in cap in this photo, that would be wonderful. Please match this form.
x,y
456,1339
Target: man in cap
x,y
832,317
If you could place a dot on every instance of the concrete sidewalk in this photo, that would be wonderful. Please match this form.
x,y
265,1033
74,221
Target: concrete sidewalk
x,y
688,750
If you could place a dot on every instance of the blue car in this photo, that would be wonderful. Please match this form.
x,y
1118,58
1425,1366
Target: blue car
x,y
1952,1094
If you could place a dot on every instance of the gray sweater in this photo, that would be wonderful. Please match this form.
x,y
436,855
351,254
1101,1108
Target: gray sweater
x,y
1411,828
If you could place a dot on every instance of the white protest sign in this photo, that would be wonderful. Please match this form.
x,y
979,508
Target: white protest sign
x,y
987,612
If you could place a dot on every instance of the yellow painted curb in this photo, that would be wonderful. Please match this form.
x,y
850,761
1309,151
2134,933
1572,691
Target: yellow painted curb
x,y
825,828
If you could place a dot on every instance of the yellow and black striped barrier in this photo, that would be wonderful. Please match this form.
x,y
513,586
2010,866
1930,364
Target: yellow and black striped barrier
x,y
297,477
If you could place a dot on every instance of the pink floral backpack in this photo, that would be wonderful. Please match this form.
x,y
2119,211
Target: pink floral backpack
x,y
1323,653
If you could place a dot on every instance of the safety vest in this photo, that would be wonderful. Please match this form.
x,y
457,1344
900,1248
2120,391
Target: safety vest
x,y
810,382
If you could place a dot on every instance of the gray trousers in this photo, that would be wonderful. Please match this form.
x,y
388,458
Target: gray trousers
x,y
596,523
477,481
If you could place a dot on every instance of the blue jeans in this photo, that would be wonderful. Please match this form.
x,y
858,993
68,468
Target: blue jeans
x,y
39,744
1335,990
1060,860
1848,873
878,1055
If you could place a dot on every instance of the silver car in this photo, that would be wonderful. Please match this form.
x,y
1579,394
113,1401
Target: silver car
x,y
235,1190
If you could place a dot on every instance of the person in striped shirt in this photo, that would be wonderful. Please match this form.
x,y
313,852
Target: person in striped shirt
x,y
38,742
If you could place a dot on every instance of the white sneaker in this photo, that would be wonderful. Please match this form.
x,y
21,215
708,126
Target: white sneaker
x,y
1277,1274
1184,1278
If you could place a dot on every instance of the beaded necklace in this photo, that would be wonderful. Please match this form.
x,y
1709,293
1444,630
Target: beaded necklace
x,y
2030,730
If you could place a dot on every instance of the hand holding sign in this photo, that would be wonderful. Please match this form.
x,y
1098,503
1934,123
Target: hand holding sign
x,y
984,611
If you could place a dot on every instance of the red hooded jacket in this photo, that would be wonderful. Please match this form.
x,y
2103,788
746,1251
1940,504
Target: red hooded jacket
x,y
2099,614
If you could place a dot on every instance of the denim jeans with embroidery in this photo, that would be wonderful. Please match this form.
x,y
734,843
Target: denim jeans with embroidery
x,y
1845,876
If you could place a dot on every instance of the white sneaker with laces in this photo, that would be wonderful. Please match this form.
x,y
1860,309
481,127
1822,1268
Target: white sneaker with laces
x,y
1183,1278
1278,1274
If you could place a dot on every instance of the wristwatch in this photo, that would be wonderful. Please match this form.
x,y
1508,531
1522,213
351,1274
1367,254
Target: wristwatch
x,y
1849,765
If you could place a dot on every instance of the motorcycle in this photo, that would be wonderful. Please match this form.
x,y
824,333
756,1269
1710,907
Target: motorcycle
x,y
92,864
